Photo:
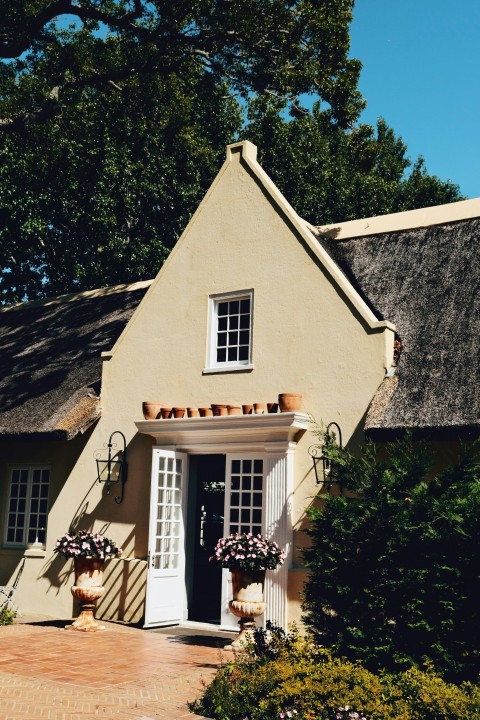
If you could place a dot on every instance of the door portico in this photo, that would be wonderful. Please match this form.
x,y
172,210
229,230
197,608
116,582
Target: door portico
x,y
269,438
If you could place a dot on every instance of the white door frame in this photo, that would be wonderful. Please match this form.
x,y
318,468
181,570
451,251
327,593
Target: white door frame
x,y
275,436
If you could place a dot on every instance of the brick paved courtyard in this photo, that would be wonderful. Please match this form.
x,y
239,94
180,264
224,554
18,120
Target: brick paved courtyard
x,y
123,672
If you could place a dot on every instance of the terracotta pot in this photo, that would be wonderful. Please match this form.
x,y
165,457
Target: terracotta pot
x,y
234,409
272,407
166,412
192,412
178,412
247,409
219,409
247,603
88,588
289,402
205,412
151,410
259,408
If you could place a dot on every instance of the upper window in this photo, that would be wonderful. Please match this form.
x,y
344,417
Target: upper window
x,y
27,505
230,344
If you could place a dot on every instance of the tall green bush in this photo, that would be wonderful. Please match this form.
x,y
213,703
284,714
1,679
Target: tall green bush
x,y
395,565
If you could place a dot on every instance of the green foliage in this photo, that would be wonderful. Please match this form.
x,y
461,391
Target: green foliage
x,y
329,174
114,117
284,675
7,615
394,568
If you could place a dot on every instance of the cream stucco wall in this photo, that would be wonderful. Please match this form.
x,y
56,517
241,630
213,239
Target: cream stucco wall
x,y
311,334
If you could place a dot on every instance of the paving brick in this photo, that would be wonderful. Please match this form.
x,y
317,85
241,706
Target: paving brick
x,y
122,674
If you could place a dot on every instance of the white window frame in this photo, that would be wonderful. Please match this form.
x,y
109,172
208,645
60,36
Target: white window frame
x,y
28,503
213,365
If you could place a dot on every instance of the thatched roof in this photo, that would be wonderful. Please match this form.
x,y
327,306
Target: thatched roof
x,y
50,363
425,281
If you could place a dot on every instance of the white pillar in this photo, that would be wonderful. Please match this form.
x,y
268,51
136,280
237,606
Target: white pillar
x,y
278,524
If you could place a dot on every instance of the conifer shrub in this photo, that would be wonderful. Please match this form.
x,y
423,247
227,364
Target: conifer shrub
x,y
286,676
395,560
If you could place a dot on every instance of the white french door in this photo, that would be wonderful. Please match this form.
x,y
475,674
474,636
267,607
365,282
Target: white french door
x,y
244,510
166,598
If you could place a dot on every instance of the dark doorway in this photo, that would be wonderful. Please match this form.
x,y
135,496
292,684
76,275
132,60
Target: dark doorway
x,y
206,507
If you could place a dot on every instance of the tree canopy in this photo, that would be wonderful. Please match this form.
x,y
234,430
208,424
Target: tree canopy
x,y
114,116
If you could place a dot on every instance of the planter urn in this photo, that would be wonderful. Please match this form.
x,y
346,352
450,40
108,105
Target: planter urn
x,y
88,588
247,603
151,409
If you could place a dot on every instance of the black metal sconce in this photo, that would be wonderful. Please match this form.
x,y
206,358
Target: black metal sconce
x,y
328,467
114,469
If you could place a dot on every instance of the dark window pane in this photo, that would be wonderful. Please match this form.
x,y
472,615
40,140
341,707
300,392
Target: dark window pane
x,y
44,491
235,482
233,338
246,498
258,466
257,500
245,305
245,515
234,515
247,482
222,323
244,322
233,528
35,489
34,506
235,499
245,528
42,521
222,308
43,506
19,535
256,529
221,355
20,519
234,307
31,535
244,337
222,339
235,466
11,519
256,516
257,483
232,354
243,353
10,535
247,466
234,322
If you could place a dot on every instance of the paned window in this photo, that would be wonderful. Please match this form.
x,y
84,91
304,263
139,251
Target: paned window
x,y
27,505
231,331
169,510
246,496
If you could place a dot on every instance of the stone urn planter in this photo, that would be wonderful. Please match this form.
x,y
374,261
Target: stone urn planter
x,y
247,556
89,550
247,603
88,588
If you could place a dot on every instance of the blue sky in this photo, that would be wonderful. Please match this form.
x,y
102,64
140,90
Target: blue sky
x,y
421,72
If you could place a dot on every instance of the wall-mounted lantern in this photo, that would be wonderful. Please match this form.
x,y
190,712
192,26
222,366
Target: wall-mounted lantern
x,y
328,479
113,469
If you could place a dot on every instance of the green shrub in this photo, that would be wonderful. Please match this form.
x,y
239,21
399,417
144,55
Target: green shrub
x,y
394,566
293,678
7,616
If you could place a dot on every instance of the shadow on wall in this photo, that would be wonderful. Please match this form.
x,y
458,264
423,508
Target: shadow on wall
x,y
124,598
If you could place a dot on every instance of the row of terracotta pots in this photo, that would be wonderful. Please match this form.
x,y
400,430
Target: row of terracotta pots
x,y
287,402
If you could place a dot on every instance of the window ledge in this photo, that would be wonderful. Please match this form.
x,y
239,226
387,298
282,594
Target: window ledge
x,y
35,552
227,368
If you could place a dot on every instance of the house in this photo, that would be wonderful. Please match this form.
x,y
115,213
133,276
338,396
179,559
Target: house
x,y
375,322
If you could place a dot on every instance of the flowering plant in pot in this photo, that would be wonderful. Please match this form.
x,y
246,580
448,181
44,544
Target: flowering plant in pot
x,y
245,551
83,543
247,556
89,551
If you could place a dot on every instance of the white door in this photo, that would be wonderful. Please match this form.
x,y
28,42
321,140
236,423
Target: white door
x,y
244,511
165,599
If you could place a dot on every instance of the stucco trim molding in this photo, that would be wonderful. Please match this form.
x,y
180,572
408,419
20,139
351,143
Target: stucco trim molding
x,y
233,432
